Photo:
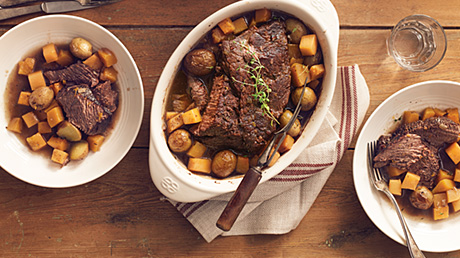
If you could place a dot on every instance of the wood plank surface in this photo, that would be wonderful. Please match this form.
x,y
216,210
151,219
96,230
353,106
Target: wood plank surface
x,y
122,214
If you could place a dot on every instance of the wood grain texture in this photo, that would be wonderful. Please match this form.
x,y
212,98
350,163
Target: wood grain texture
x,y
122,214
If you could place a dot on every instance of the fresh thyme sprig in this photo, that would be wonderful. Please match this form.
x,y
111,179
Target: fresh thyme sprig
x,y
261,89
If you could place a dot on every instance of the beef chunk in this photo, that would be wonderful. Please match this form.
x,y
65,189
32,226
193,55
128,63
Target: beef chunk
x,y
436,130
198,92
77,73
264,51
83,110
219,125
106,96
415,147
409,152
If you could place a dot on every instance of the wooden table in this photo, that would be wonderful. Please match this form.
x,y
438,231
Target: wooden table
x,y
121,214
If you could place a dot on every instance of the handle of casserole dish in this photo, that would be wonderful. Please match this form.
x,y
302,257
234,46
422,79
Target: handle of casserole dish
x,y
325,11
239,199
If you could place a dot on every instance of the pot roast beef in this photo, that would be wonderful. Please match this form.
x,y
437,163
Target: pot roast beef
x,y
83,109
106,96
414,147
408,152
247,128
198,92
219,126
435,130
77,73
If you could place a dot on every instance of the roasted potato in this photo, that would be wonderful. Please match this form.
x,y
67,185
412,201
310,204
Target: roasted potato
x,y
308,100
179,140
296,30
223,163
200,62
81,48
68,131
421,198
41,98
79,150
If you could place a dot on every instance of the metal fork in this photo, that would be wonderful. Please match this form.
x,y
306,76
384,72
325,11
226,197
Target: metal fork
x,y
378,180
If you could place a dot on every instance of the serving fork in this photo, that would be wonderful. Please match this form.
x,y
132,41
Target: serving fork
x,y
252,177
378,180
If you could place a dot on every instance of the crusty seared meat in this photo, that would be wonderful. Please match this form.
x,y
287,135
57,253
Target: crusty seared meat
x,y
414,147
409,152
435,130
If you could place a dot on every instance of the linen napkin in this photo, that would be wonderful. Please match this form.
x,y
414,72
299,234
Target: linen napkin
x,y
278,205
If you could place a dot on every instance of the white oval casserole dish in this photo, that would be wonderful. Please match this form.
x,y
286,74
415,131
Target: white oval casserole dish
x,y
170,176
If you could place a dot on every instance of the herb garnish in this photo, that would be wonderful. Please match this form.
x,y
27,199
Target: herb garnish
x,y
262,91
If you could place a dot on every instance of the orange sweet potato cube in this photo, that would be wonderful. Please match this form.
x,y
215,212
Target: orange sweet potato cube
x,y
36,80
226,26
36,142
94,62
453,151
456,205
24,98
200,165
395,187
44,127
50,53
217,35
26,66
308,45
316,72
197,150
428,113
15,125
65,58
452,113
262,15
60,157
30,119
240,25
457,175
58,143
299,74
393,171
107,57
410,181
453,195
410,116
242,164
441,213
109,74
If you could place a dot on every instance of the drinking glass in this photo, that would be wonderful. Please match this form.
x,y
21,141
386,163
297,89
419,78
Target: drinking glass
x,y
417,43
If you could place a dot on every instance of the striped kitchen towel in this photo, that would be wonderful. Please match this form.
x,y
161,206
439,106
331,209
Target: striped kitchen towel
x,y
278,205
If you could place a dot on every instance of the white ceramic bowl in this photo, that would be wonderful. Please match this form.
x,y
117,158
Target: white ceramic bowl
x,y
36,169
432,236
169,175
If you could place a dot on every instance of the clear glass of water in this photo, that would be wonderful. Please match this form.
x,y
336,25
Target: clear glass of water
x,y
417,43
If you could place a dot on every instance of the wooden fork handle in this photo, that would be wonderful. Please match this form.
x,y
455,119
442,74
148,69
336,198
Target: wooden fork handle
x,y
239,199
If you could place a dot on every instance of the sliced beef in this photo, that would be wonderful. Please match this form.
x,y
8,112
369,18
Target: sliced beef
x,y
219,126
106,96
266,48
83,110
198,92
436,130
77,73
409,152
